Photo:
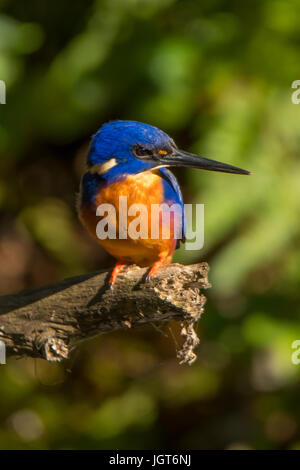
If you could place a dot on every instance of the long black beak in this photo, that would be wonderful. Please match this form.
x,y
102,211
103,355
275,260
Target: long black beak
x,y
181,158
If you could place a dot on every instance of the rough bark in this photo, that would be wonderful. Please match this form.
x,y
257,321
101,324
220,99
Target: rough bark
x,y
49,321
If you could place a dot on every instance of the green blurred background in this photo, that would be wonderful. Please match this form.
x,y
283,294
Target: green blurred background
x,y
217,76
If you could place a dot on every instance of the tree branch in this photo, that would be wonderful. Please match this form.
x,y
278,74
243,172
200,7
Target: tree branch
x,y
49,321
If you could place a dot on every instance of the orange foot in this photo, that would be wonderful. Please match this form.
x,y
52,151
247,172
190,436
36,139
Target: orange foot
x,y
117,269
156,267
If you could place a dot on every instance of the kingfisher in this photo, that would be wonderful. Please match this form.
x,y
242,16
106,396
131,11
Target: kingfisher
x,y
132,159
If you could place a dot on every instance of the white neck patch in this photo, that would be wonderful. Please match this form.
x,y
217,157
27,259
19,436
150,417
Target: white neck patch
x,y
101,168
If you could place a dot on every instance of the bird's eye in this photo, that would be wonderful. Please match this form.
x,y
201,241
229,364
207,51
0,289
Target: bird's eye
x,y
141,151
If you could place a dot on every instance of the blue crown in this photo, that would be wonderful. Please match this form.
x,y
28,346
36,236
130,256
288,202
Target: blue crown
x,y
117,139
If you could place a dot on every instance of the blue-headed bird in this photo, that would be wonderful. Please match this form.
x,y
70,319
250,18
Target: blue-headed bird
x,y
131,159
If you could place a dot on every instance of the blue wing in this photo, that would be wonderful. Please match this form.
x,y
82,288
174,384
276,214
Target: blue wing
x,y
172,193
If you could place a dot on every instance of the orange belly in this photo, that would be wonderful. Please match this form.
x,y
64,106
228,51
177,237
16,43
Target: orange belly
x,y
145,188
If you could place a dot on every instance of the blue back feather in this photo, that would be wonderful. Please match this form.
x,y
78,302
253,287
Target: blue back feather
x,y
173,194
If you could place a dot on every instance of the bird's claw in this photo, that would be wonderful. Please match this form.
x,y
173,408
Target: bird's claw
x,y
113,277
154,270
111,286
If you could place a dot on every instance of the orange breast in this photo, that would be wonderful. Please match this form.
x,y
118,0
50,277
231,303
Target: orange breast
x,y
145,188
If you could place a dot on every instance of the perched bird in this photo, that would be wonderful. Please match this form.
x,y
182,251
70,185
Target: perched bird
x,y
130,158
